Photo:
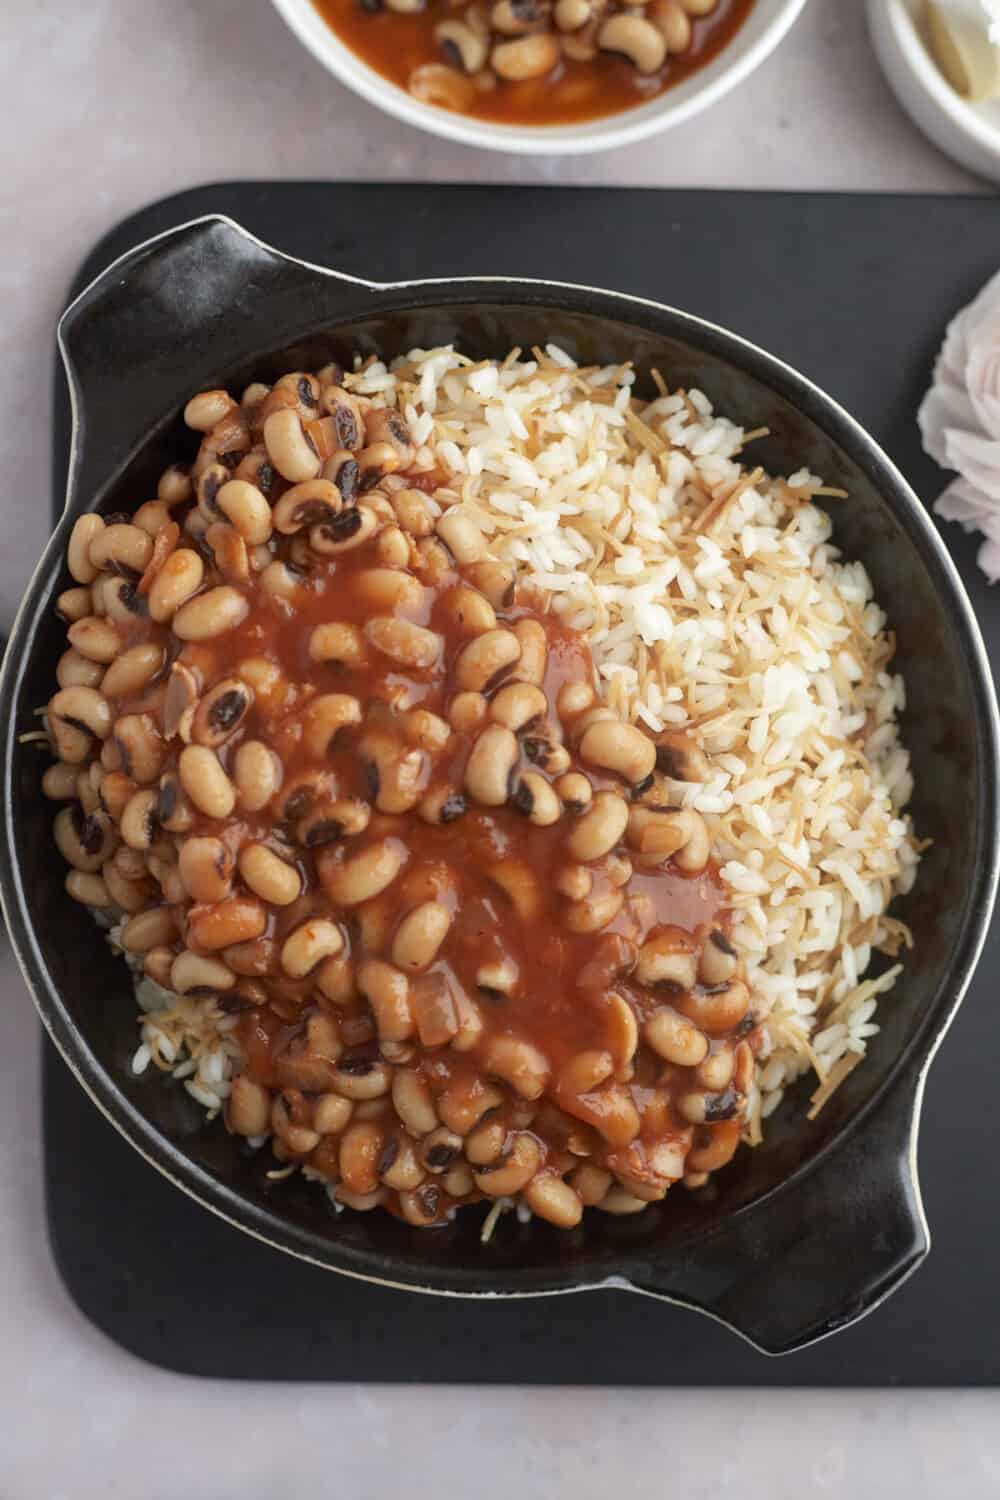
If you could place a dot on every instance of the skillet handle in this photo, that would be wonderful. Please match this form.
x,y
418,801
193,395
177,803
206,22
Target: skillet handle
x,y
820,1255
171,317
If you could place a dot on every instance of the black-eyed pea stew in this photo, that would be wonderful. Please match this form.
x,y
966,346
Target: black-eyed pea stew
x,y
535,62
366,802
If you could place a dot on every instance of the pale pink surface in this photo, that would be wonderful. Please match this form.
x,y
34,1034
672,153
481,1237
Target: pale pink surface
x,y
110,105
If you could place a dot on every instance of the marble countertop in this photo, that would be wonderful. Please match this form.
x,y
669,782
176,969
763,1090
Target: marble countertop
x,y
117,105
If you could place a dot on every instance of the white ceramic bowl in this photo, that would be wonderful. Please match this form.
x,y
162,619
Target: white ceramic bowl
x,y
968,133
760,34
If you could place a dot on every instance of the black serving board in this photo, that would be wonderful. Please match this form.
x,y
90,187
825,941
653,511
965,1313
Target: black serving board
x,y
854,291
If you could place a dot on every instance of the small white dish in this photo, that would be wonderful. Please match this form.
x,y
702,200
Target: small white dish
x,y
968,133
763,29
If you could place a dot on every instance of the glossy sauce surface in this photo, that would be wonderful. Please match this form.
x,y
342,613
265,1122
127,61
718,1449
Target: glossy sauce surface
x,y
395,44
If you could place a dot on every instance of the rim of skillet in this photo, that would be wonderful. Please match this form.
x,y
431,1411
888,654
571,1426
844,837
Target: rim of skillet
x,y
269,1226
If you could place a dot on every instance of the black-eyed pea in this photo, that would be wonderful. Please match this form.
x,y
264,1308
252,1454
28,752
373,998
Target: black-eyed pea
x,y
387,992
85,531
535,799
60,781
399,1166
464,1102
469,610
673,21
74,670
176,582
138,824
335,980
74,604
513,1171
88,888
715,1073
361,1078
718,961
594,913
411,645
317,502
467,712
462,45
364,875
679,758
585,1072
309,944
422,1206
205,782
211,614
140,747
701,1107
207,409
624,1035
338,641
130,672
518,17
519,1063
714,1146
152,928
620,748
573,699
248,1109
156,965
745,1067
331,1113
462,536
600,828
288,446
347,817
425,730
130,895
419,936
412,511
392,548
570,15
151,518
269,877
484,657
551,1198
221,712
439,1150
575,882
129,863
493,579
458,1181
534,651
386,589
717,1010
96,639
442,805
174,812
121,545
517,705
674,1038
360,1149
637,39
174,485
193,973
351,528
413,1102
667,957
490,765
620,1202
525,57
610,1110
228,924
590,1183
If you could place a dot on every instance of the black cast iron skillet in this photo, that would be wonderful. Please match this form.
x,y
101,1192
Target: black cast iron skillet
x,y
793,1240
